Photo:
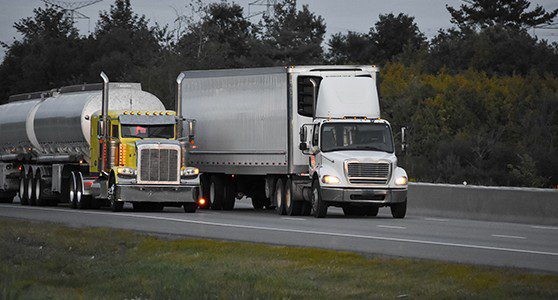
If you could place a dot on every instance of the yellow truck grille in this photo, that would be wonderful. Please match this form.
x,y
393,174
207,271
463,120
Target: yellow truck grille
x,y
158,166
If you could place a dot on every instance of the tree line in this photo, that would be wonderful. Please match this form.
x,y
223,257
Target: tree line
x,y
480,99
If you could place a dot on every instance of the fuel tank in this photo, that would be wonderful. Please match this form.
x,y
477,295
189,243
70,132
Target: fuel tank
x,y
58,123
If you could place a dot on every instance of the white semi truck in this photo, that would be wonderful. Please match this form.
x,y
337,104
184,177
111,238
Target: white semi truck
x,y
298,138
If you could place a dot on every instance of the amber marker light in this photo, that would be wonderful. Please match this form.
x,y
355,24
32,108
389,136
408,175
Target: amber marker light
x,y
201,201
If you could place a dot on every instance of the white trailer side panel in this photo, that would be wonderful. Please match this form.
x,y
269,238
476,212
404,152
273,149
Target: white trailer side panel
x,y
242,120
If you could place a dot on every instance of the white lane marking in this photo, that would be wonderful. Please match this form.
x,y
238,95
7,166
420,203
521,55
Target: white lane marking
x,y
290,218
391,239
436,219
509,236
544,227
391,226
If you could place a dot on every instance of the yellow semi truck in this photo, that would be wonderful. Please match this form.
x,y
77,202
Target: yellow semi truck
x,y
96,145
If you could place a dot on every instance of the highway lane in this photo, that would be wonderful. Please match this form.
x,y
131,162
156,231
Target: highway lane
x,y
466,241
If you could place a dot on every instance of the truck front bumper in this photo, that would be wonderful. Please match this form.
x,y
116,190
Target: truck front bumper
x,y
382,197
158,193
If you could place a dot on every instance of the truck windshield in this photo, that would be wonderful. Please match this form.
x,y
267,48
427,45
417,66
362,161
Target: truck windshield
x,y
148,131
356,136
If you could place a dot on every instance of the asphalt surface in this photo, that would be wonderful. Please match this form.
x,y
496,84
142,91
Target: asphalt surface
x,y
465,241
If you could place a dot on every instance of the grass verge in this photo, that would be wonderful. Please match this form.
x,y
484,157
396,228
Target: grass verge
x,y
43,260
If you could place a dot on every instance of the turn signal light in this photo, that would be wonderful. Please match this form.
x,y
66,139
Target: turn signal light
x,y
201,201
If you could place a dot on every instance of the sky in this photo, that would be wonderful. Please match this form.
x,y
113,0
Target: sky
x,y
339,15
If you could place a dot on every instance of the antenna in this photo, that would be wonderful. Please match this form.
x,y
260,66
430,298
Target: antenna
x,y
268,10
70,9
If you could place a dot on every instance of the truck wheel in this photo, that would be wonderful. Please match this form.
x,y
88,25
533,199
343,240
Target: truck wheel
x,y
205,183
350,210
72,193
31,190
21,193
216,192
399,210
372,211
190,207
319,207
115,205
280,197
83,202
230,193
41,201
292,207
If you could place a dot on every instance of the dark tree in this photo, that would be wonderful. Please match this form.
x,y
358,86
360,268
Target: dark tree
x,y
512,13
394,34
223,38
122,42
351,48
293,36
47,56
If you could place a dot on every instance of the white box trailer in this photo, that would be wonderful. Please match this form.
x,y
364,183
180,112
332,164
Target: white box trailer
x,y
260,132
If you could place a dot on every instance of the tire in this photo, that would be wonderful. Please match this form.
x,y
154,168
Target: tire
x,y
82,201
22,191
190,207
319,207
399,210
72,192
217,192
292,207
205,183
280,197
115,206
31,190
38,186
350,210
230,194
372,211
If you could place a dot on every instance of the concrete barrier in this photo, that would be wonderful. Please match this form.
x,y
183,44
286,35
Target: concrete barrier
x,y
509,204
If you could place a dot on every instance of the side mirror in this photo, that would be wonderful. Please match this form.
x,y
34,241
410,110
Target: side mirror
x,y
303,134
403,140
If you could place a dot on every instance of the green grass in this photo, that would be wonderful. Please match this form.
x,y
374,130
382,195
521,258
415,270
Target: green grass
x,y
43,260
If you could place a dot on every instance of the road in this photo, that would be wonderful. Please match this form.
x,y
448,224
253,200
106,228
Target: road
x,y
465,241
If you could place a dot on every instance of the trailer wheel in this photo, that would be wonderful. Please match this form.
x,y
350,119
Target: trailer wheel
x,y
31,190
22,189
38,185
216,192
399,210
190,207
292,206
280,197
72,192
319,207
230,194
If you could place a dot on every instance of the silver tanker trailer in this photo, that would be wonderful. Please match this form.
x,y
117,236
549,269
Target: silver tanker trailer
x,y
74,145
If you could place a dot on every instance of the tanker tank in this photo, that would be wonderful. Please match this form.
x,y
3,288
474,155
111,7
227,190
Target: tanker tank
x,y
58,123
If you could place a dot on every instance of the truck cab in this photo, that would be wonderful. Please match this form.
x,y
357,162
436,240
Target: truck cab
x,y
142,153
351,150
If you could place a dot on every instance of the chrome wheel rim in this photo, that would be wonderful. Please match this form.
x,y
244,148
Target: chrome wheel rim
x,y
279,197
21,188
38,188
30,188
287,197
212,192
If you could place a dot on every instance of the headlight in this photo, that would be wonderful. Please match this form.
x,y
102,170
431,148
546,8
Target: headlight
x,y
401,180
126,171
330,179
190,171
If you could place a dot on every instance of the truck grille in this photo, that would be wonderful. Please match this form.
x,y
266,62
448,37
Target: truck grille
x,y
158,165
371,173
